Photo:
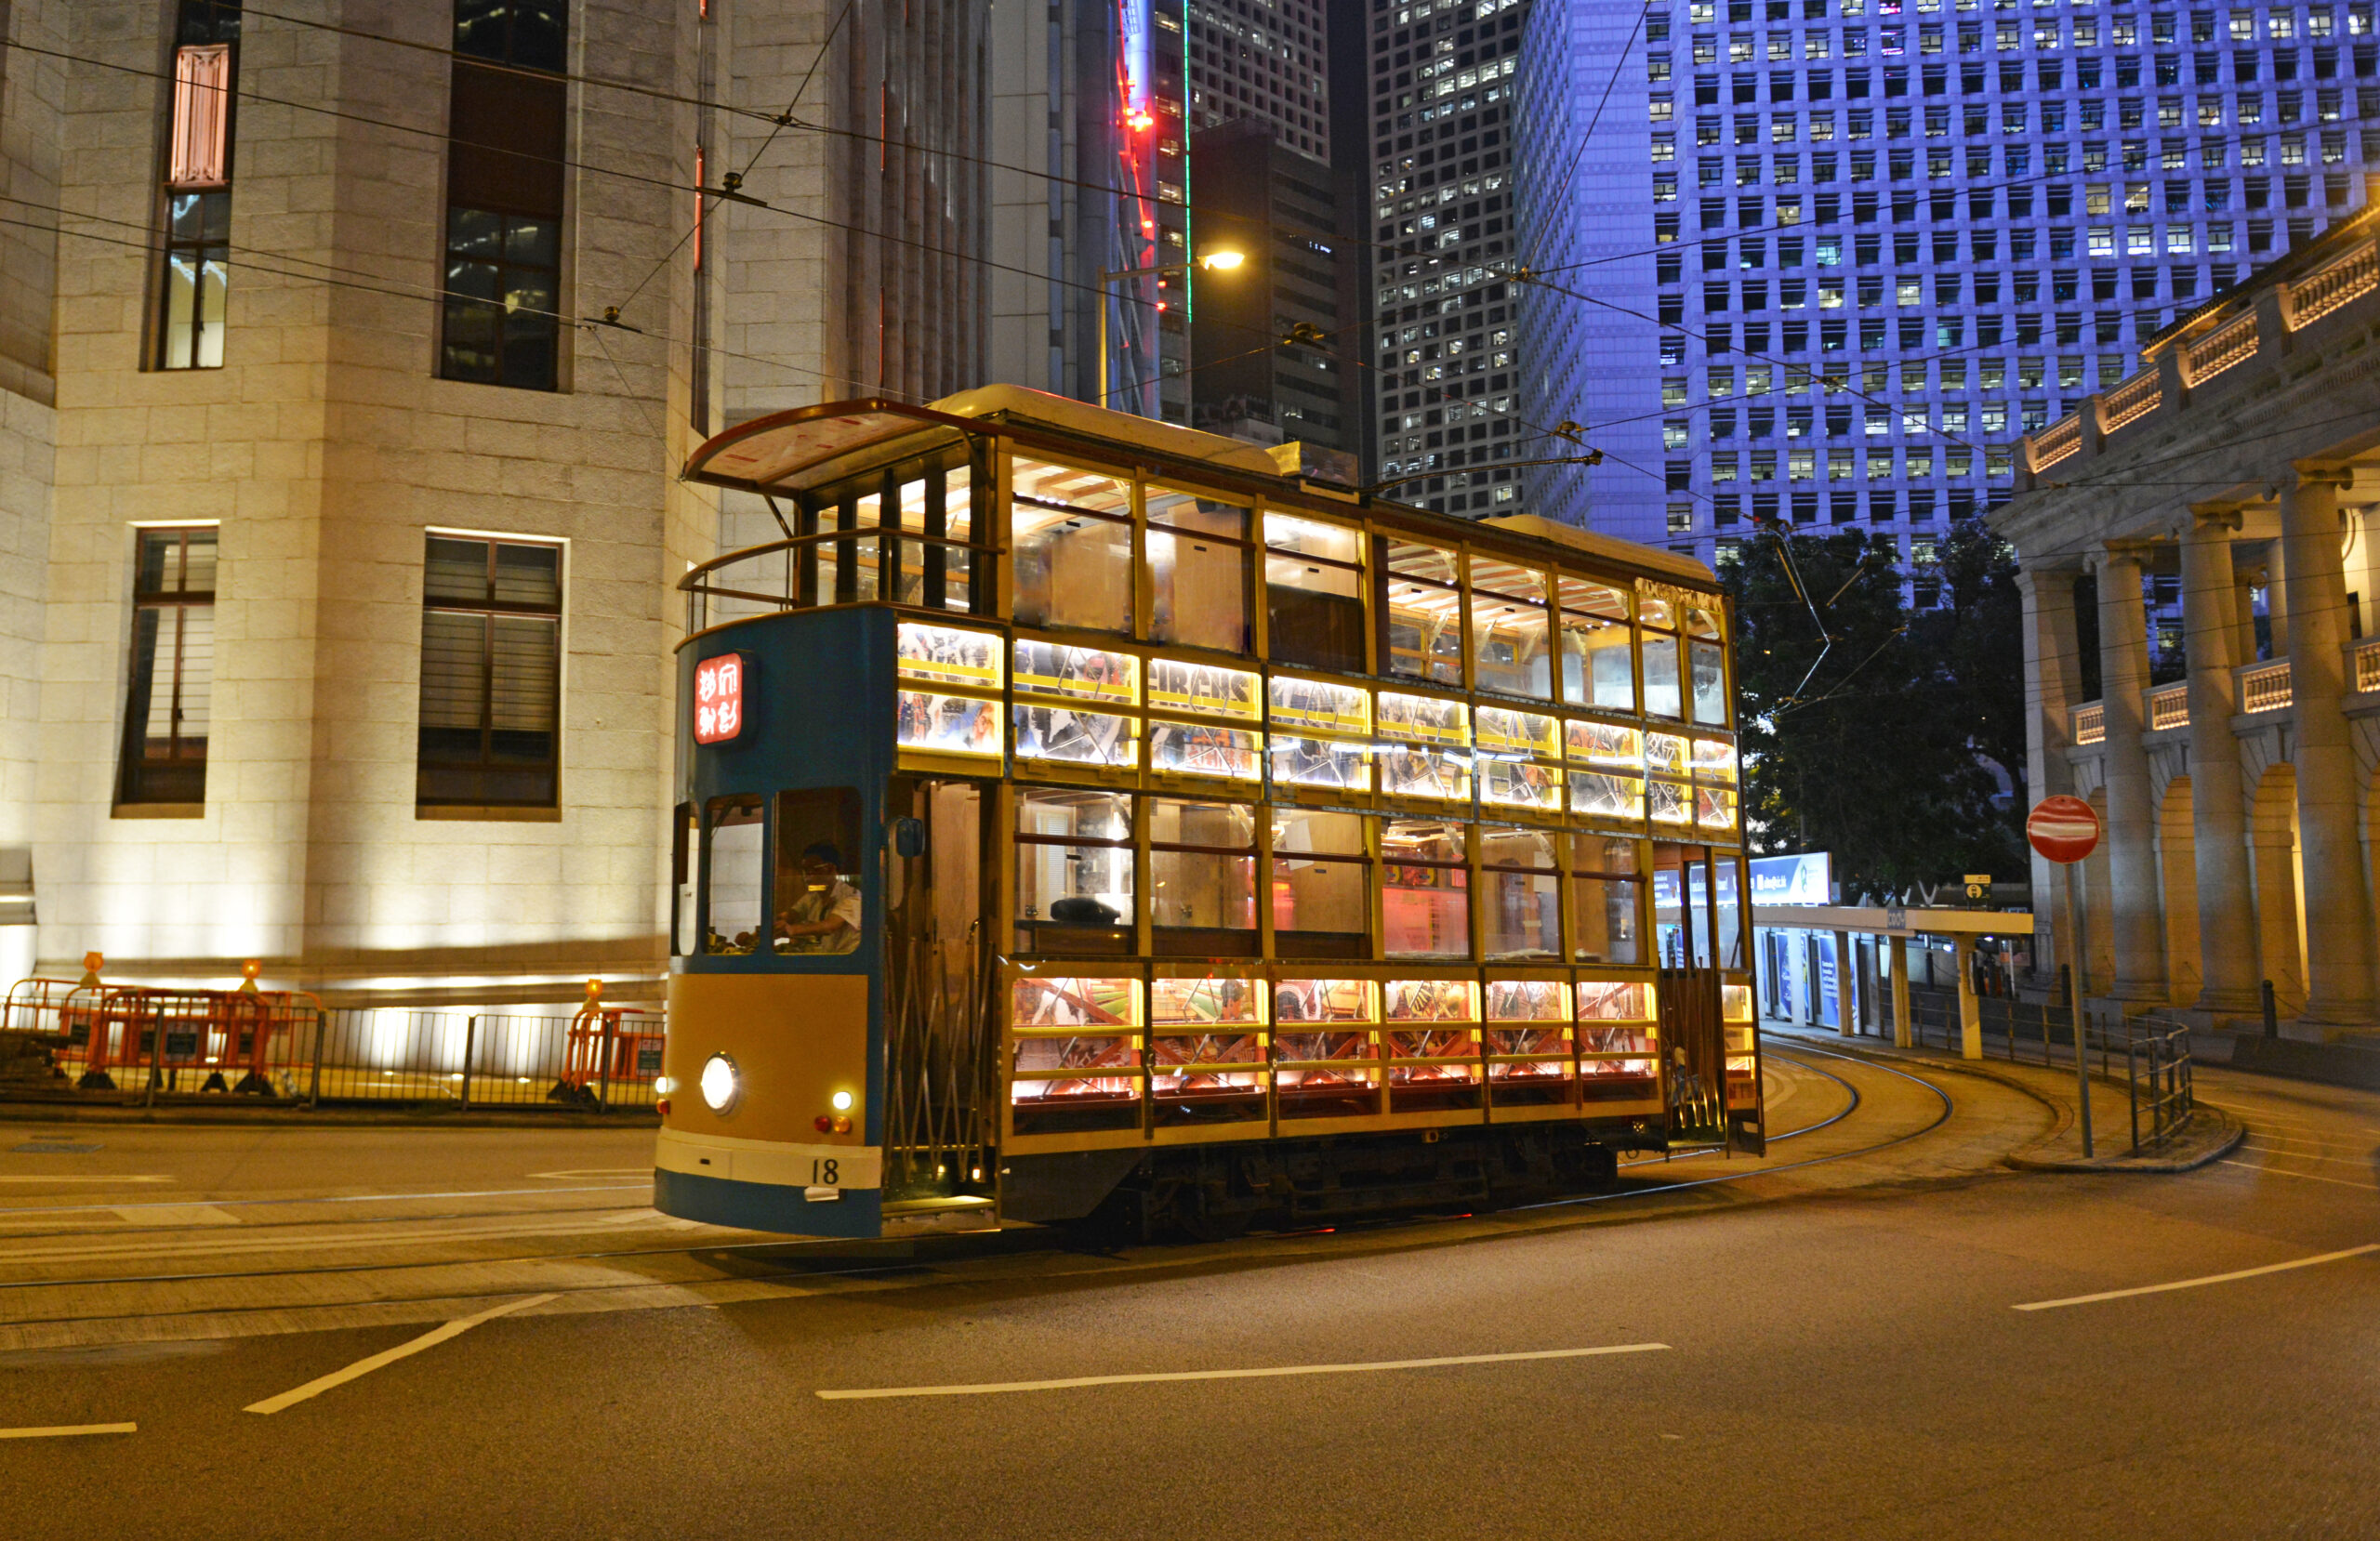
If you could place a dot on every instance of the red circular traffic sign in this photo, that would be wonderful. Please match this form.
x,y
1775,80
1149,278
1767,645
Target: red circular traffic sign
x,y
2063,829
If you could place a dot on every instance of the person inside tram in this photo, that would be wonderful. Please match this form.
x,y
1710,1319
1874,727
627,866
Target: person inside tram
x,y
823,914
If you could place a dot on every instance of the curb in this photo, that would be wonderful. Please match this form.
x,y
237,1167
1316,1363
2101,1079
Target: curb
x,y
2234,1133
302,1118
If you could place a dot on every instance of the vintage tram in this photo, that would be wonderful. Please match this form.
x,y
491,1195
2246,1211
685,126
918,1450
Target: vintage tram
x,y
1078,812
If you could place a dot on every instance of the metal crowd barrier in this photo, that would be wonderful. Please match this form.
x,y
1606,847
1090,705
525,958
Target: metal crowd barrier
x,y
284,1047
2152,1053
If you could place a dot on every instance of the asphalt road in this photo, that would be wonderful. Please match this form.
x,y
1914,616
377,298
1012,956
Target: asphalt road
x,y
1829,1343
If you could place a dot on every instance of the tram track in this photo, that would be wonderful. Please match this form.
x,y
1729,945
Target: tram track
x,y
770,1275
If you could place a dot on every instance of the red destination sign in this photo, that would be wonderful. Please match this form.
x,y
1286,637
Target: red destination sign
x,y
2063,829
719,698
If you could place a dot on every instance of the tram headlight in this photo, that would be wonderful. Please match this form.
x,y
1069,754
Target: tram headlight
x,y
720,1083
843,1101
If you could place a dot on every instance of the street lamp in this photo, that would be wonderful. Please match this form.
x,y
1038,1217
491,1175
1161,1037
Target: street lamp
x,y
1223,260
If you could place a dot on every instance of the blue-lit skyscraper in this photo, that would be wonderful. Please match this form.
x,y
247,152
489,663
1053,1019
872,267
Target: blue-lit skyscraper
x,y
1888,236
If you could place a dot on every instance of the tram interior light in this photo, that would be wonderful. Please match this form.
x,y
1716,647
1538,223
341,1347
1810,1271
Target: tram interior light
x,y
717,1083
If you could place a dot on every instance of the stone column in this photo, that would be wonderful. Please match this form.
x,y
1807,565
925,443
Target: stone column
x,y
2338,907
2138,930
2053,672
2218,818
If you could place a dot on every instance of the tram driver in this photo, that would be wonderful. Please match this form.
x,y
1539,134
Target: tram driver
x,y
824,914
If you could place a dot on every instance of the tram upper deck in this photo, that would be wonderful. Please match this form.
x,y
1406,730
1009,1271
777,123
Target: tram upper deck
x,y
1169,748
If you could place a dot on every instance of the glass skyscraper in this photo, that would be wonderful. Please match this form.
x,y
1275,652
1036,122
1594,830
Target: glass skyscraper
x,y
1822,260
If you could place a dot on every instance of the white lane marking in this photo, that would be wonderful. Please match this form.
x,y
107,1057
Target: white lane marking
x,y
84,1176
69,1430
2363,1163
600,1172
995,1388
249,1245
2309,1177
44,1209
2208,1279
177,1214
389,1356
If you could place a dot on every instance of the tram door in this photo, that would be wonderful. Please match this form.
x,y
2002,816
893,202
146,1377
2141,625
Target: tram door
x,y
939,1045
1693,939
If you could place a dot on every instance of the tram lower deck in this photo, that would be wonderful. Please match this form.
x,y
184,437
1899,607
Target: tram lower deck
x,y
1078,817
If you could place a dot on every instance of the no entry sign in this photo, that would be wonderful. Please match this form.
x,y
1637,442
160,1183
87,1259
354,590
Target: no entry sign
x,y
2063,829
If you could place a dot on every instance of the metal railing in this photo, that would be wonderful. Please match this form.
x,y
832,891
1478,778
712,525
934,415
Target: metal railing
x,y
2151,1053
152,1047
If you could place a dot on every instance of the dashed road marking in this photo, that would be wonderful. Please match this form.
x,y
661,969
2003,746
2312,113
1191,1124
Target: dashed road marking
x,y
2308,1176
1072,1382
389,1356
69,1430
2207,1278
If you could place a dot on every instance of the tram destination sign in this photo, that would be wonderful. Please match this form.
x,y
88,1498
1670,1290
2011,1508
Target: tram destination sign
x,y
719,698
2063,829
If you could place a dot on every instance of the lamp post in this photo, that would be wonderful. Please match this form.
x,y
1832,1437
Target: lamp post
x,y
1223,261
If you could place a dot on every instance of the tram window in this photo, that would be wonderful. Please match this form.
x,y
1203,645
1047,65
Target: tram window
x,y
1597,669
681,877
1732,926
817,871
1202,879
1074,871
1314,604
1425,889
1710,674
732,875
923,493
1508,629
1520,882
1660,676
1322,888
1425,608
1603,888
1199,569
1072,536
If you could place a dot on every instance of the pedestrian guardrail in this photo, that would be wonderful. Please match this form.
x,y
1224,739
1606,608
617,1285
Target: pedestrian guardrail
x,y
157,1047
2152,1053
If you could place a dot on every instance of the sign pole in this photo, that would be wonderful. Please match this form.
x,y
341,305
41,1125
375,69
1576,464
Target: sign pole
x,y
2065,830
2074,1003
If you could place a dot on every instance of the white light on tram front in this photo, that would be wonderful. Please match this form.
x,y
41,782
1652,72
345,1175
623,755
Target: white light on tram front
x,y
719,1082
843,1101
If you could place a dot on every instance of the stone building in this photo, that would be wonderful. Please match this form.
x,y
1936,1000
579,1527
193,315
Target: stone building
x,y
348,355
2238,802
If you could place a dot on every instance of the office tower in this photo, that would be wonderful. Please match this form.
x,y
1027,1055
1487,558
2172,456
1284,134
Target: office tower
x,y
1443,323
1145,293
1265,59
1274,208
1890,236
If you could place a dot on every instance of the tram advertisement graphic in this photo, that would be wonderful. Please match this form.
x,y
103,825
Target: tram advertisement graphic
x,y
719,698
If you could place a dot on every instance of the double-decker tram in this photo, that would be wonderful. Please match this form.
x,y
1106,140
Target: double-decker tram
x,y
1079,813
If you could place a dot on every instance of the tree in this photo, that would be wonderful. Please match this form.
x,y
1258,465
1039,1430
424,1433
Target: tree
x,y
1880,745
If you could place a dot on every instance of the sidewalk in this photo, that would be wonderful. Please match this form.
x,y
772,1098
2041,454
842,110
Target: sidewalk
x,y
2210,1135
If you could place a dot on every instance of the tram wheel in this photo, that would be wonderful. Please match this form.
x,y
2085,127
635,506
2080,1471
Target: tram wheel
x,y
1201,1220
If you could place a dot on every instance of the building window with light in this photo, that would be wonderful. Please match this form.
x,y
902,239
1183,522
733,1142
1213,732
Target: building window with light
x,y
491,674
172,671
195,277
507,131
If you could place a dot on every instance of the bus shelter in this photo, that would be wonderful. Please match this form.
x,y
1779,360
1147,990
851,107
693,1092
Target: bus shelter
x,y
1893,926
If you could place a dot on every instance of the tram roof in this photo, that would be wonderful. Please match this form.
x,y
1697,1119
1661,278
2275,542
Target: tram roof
x,y
787,452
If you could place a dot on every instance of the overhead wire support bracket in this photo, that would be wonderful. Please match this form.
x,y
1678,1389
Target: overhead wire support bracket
x,y
731,190
611,317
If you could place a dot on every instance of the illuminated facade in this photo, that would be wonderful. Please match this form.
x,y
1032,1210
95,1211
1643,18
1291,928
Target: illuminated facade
x,y
339,523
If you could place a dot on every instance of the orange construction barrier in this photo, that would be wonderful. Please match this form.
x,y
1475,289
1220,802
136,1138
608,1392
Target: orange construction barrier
x,y
607,1046
160,1034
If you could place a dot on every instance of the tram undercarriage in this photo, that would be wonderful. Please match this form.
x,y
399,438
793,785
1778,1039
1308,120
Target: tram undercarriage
x,y
1213,1192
